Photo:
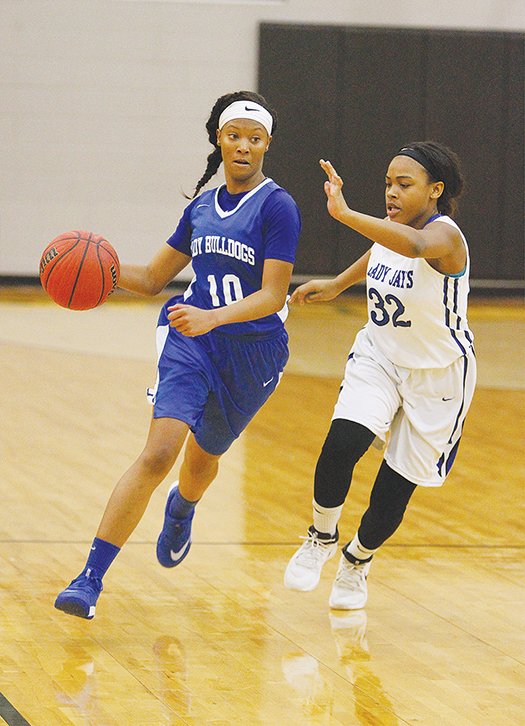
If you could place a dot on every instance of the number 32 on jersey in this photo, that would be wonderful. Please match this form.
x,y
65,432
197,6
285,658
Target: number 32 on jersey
x,y
387,309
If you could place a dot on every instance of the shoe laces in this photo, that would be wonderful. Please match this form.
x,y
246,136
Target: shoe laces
x,y
94,583
350,575
313,550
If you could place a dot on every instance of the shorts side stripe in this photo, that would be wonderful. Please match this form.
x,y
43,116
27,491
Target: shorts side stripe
x,y
447,459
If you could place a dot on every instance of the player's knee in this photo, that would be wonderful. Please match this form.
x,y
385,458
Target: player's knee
x,y
198,467
157,461
345,444
198,461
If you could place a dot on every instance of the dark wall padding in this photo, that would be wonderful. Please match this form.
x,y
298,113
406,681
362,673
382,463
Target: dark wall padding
x,y
355,95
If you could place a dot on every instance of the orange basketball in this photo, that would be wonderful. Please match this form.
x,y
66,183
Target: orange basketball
x,y
79,270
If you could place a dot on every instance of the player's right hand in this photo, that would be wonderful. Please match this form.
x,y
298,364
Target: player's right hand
x,y
314,291
335,201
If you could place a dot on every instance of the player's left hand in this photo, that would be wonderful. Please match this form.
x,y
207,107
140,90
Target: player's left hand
x,y
191,321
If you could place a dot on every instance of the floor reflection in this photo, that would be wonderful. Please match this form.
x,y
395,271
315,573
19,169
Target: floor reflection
x,y
76,684
172,674
314,693
349,631
372,705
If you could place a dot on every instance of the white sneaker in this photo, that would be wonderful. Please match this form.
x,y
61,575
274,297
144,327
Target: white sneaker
x,y
349,591
304,569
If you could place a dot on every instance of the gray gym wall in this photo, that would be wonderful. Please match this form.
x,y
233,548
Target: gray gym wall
x,y
103,104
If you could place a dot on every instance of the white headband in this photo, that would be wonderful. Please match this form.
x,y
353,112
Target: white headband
x,y
247,109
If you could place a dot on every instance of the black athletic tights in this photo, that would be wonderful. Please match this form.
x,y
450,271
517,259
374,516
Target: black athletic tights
x,y
345,444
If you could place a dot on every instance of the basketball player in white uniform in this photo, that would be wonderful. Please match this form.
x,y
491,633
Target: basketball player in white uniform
x,y
411,372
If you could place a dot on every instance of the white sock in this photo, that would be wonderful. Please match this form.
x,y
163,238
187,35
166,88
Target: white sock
x,y
356,549
326,518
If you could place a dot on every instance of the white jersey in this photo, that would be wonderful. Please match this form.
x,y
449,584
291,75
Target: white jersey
x,y
417,316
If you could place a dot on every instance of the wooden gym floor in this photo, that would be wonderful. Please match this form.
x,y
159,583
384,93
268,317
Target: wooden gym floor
x,y
219,640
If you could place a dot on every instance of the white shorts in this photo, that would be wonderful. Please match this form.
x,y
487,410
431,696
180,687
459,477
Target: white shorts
x,y
418,412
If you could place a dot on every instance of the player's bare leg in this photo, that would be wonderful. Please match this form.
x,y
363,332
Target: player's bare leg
x,y
198,470
123,512
132,493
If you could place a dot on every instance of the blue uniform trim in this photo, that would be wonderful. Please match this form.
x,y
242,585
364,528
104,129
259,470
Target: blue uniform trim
x,y
452,308
447,459
432,219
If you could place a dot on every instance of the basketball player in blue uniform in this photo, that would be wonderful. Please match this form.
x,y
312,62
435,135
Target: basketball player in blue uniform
x,y
411,371
222,345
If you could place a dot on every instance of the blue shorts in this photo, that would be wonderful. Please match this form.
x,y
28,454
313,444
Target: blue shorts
x,y
215,383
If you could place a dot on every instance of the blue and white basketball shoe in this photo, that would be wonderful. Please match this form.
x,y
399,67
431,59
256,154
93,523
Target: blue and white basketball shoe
x,y
174,541
80,596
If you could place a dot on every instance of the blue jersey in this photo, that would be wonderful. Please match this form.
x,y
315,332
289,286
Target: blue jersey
x,y
229,236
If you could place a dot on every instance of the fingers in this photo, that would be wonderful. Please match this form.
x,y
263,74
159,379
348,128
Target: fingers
x,y
179,312
301,293
178,317
312,297
308,292
176,308
296,297
327,166
333,176
189,320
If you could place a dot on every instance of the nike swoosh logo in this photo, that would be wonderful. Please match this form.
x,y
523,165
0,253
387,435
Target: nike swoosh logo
x,y
202,205
250,109
447,399
268,382
177,555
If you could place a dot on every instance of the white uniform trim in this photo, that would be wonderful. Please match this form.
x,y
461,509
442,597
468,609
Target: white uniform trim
x,y
223,214
161,336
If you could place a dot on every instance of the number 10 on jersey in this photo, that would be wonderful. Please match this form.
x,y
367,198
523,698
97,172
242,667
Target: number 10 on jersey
x,y
231,290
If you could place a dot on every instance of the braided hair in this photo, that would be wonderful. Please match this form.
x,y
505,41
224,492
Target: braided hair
x,y
442,164
215,158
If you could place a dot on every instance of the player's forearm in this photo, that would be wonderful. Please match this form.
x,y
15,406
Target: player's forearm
x,y
141,280
135,278
353,274
257,305
152,278
397,237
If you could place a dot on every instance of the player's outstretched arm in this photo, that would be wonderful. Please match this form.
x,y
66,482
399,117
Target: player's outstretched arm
x,y
435,242
315,291
152,278
325,290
